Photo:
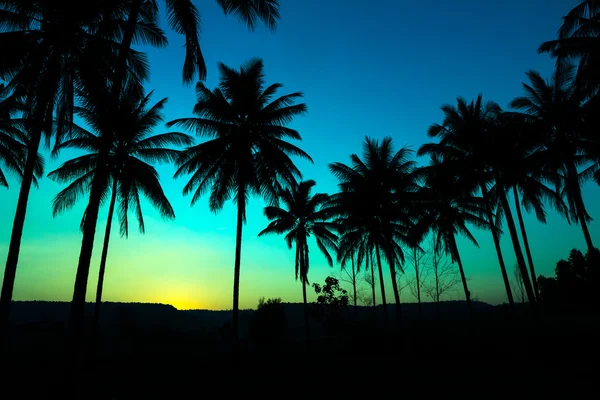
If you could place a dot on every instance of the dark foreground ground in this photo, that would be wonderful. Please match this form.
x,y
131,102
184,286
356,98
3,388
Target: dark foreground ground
x,y
143,349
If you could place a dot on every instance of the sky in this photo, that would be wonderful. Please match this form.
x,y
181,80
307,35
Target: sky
x,y
366,69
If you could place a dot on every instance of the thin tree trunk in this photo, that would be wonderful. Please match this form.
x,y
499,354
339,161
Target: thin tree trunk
x,y
418,284
462,277
396,292
495,235
354,284
381,285
370,263
111,210
515,241
236,270
12,260
304,278
579,205
526,242
437,284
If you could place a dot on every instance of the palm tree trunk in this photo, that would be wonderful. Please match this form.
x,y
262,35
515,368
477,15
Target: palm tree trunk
x,y
418,284
304,278
382,286
76,315
515,240
236,270
525,242
370,263
12,260
354,284
111,210
396,292
462,276
490,218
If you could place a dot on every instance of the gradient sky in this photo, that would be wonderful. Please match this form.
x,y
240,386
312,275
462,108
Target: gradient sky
x,y
367,68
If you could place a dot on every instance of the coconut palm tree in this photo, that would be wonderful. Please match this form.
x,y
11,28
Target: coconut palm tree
x,y
558,105
523,171
131,154
183,17
305,216
43,68
578,39
247,152
450,206
462,138
373,205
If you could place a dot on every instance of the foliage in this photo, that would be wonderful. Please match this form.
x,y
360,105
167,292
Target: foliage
x,y
269,323
332,301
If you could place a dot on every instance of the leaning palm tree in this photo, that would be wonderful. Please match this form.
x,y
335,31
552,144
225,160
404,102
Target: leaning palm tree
x,y
305,216
558,105
521,145
373,204
130,157
247,151
450,206
43,69
463,138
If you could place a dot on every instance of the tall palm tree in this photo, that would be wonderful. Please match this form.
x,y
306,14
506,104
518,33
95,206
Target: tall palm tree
x,y
130,155
373,204
305,216
247,151
183,17
520,144
558,105
462,137
450,207
578,39
43,68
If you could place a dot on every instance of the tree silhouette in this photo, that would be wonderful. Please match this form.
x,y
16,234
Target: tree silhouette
x,y
450,207
131,175
462,137
305,216
247,152
373,206
14,138
43,69
558,106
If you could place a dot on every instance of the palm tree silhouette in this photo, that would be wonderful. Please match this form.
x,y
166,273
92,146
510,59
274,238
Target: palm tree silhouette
x,y
558,105
578,38
462,138
14,138
43,68
450,206
520,144
130,155
183,18
305,216
371,208
247,152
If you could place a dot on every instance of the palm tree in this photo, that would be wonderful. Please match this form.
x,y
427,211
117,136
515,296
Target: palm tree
x,y
373,205
558,105
578,38
13,137
305,216
43,68
450,206
131,175
247,152
183,17
462,137
520,144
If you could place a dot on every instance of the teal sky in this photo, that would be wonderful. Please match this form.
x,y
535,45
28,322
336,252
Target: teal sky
x,y
367,68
